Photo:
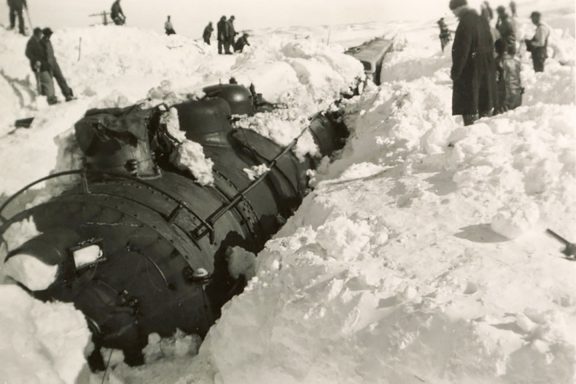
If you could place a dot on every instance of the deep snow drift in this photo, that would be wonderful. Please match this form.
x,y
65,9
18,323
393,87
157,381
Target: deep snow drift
x,y
420,257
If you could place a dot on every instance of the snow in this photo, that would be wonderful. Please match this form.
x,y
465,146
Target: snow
x,y
30,272
421,255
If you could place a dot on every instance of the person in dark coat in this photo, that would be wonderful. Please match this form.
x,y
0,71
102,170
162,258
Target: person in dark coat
x,y
506,29
35,54
444,33
223,31
231,32
473,70
241,43
16,7
53,66
117,14
207,34
168,27
538,45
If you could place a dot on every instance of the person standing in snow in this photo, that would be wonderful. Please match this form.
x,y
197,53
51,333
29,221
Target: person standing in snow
x,y
35,54
486,11
513,8
223,30
444,33
473,70
207,34
506,29
168,27
16,7
117,14
231,33
53,66
508,78
241,43
538,45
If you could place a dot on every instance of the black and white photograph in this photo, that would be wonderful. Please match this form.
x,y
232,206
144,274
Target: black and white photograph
x,y
287,192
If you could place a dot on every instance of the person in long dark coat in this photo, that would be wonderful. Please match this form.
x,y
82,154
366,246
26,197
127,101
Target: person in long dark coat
x,y
223,31
207,34
53,66
473,70
231,33
16,7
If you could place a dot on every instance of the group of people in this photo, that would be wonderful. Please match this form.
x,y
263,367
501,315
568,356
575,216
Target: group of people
x,y
226,36
43,63
485,69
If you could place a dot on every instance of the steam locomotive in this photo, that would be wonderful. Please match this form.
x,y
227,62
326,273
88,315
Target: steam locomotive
x,y
139,245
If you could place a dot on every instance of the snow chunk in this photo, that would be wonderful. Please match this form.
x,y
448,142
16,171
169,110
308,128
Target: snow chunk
x,y
241,262
179,345
515,219
188,154
256,171
31,272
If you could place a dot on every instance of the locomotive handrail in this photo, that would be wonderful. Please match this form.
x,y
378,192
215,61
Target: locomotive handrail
x,y
85,189
240,195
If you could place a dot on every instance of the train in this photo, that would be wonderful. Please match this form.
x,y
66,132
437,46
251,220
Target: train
x,y
137,243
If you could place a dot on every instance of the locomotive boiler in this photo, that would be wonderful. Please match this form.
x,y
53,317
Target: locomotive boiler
x,y
138,245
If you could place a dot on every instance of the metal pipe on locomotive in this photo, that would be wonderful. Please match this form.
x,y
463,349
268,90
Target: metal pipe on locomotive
x,y
162,238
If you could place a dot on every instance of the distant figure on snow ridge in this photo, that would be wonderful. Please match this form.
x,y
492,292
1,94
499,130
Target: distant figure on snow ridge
x,y
35,54
486,11
513,8
473,71
223,32
538,45
117,14
444,33
16,7
241,43
168,27
207,34
53,66
231,32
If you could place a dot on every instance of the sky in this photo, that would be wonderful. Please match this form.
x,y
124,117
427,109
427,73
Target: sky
x,y
190,16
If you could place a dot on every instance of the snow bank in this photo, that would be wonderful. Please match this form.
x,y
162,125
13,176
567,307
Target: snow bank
x,y
41,343
421,256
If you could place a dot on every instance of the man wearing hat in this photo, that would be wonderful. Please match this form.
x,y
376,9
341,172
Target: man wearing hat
x,y
231,35
473,70
53,66
539,43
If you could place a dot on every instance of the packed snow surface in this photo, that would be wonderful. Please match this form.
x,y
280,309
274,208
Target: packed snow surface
x,y
421,255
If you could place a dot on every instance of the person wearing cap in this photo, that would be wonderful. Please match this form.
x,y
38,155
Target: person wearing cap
x,y
538,45
35,54
16,7
223,31
506,29
53,66
473,70
241,43
444,33
207,34
168,27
